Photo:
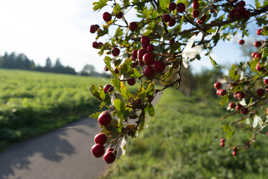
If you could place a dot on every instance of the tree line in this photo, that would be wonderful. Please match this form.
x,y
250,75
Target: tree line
x,y
21,61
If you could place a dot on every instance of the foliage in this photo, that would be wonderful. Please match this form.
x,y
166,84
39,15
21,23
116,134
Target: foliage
x,y
182,141
163,39
33,103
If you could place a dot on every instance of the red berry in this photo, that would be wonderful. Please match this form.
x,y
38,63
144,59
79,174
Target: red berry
x,y
148,58
172,6
119,15
106,16
109,157
150,48
159,66
238,107
222,144
100,138
241,42
171,22
222,140
108,88
95,44
244,110
165,18
116,70
241,4
260,92
97,150
100,44
195,13
235,148
180,7
94,28
106,68
195,5
257,44
115,52
131,81
145,41
217,85
239,95
232,105
257,55
259,31
104,118
134,54
148,72
253,54
234,153
133,26
141,52
265,81
258,67
221,92
199,21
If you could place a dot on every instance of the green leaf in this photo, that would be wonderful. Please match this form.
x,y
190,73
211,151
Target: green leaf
x,y
213,62
117,104
99,4
116,9
224,100
102,94
116,82
257,4
150,109
227,129
164,4
95,115
94,91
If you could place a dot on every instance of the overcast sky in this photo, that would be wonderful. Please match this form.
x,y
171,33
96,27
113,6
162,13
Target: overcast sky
x,y
60,29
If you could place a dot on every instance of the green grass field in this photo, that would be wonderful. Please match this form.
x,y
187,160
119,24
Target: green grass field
x,y
182,142
33,103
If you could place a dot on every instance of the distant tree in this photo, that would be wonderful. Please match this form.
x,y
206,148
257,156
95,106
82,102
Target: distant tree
x,y
48,63
88,70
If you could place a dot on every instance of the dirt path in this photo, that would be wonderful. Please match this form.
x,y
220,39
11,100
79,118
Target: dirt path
x,y
62,154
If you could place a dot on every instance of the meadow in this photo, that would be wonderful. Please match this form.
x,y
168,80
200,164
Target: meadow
x,y
33,103
182,142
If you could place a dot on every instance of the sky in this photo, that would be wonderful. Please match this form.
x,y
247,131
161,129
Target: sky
x,y
60,29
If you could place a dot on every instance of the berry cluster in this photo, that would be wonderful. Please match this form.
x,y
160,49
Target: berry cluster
x,y
100,139
239,11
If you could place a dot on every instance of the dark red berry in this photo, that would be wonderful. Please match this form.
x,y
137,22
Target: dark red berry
x,y
231,105
238,107
217,85
241,4
104,118
150,48
241,42
159,66
100,44
171,22
148,58
119,15
116,70
145,41
106,68
97,150
172,6
95,44
133,26
94,28
244,110
165,18
108,88
257,55
253,54
234,153
180,7
195,5
257,44
221,92
134,54
109,157
115,51
106,16
258,67
195,13
141,52
100,138
149,72
260,92
265,81
239,95
259,31
222,140
131,81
